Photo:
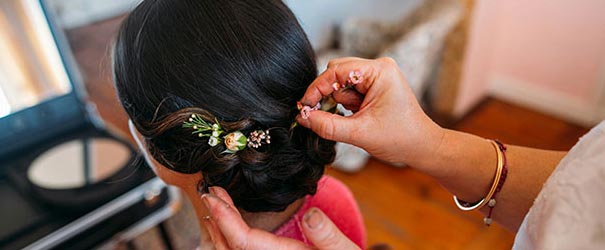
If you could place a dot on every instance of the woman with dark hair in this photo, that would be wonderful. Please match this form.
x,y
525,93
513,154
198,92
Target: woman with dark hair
x,y
211,89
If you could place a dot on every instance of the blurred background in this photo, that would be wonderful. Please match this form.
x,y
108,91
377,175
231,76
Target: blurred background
x,y
529,73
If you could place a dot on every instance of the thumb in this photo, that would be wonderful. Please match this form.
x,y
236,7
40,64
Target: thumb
x,y
320,230
329,126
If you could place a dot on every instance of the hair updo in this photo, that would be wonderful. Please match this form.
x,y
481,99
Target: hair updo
x,y
244,63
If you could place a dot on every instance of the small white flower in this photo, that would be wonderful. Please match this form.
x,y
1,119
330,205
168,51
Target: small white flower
x,y
213,141
194,126
215,126
215,133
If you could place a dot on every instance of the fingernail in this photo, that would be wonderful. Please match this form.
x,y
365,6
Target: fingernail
x,y
212,190
299,105
313,219
208,201
336,86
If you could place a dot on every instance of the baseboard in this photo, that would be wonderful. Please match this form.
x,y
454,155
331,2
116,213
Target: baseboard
x,y
77,13
554,103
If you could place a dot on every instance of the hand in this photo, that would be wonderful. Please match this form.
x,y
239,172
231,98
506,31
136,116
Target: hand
x,y
388,121
229,231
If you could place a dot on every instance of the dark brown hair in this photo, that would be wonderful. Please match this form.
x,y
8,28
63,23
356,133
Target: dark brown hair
x,y
243,63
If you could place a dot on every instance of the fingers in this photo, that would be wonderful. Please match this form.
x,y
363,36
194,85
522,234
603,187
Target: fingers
x,y
223,195
217,241
339,73
350,99
330,126
229,231
238,234
335,61
320,230
227,220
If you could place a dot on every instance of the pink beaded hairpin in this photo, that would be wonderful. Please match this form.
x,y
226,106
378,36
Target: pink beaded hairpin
x,y
305,111
355,77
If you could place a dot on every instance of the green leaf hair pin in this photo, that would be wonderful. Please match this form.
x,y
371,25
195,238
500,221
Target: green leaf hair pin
x,y
234,141
204,129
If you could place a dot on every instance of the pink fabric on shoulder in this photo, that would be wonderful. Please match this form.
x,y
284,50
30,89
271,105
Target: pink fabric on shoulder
x,y
338,203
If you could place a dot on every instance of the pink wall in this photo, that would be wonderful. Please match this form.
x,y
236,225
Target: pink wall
x,y
556,45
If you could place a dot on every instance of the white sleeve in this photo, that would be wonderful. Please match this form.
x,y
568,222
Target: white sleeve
x,y
569,212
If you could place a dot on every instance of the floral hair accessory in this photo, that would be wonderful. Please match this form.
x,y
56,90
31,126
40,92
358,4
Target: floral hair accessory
x,y
327,104
258,138
234,141
305,111
355,77
204,129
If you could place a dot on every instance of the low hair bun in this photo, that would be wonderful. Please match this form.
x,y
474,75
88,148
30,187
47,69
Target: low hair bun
x,y
242,63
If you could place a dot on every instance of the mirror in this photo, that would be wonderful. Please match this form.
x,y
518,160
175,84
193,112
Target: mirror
x,y
78,163
31,68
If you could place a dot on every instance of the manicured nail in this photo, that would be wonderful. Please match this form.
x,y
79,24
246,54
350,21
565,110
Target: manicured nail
x,y
209,201
299,105
313,219
336,86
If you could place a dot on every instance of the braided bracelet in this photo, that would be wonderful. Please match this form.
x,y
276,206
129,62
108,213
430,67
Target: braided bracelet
x,y
490,198
492,201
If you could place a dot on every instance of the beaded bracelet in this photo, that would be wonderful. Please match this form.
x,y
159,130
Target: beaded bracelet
x,y
499,178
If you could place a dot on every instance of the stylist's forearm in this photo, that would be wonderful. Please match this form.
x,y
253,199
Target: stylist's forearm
x,y
466,164
390,125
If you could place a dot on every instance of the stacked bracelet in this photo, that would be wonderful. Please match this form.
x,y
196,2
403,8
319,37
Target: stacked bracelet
x,y
492,202
498,182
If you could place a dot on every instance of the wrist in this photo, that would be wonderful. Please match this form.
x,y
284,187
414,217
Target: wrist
x,y
423,154
462,163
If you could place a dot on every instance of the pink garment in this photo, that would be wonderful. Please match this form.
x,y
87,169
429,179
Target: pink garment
x,y
338,203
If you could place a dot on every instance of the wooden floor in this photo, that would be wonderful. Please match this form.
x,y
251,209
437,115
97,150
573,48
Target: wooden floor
x,y
403,209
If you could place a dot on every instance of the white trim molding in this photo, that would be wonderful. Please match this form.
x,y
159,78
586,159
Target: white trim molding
x,y
583,112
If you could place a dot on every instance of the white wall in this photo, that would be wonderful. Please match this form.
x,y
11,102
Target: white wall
x,y
318,17
548,55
